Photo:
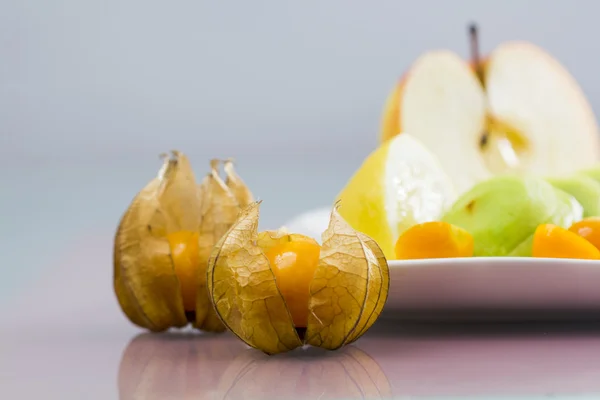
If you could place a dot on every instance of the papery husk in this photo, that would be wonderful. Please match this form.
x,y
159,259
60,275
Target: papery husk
x,y
237,186
219,211
145,283
349,288
222,202
377,289
243,290
348,291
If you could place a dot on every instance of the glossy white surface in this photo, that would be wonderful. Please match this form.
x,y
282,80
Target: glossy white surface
x,y
494,288
392,361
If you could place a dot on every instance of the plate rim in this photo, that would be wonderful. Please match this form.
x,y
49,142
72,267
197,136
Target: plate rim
x,y
492,260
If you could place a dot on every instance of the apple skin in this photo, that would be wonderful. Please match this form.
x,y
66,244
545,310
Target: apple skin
x,y
391,125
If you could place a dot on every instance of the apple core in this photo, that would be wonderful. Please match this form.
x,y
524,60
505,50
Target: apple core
x,y
502,146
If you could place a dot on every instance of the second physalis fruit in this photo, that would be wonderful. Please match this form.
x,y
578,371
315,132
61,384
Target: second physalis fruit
x,y
164,240
277,291
589,229
551,241
434,240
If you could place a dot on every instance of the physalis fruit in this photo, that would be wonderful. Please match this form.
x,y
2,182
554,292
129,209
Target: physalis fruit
x,y
589,229
434,239
164,240
552,241
277,291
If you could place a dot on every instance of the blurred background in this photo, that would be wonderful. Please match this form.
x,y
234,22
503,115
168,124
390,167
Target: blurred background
x,y
91,92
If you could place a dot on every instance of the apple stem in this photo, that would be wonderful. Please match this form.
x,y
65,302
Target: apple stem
x,y
474,39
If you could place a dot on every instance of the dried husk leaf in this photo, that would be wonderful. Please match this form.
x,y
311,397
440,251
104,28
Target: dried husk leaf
x,y
377,290
237,185
177,196
345,291
219,210
212,322
243,289
145,283
373,291
124,296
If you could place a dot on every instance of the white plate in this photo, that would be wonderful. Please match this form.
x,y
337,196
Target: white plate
x,y
494,288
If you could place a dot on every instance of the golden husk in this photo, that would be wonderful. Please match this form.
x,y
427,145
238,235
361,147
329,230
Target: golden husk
x,y
348,291
145,281
349,288
243,290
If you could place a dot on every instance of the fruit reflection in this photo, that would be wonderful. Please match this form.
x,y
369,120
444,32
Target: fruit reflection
x,y
175,366
196,366
306,374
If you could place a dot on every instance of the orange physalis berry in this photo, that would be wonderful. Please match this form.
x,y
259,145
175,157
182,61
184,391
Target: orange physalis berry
x,y
589,229
185,253
434,240
551,241
294,264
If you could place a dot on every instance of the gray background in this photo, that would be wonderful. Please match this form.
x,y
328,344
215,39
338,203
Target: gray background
x,y
92,91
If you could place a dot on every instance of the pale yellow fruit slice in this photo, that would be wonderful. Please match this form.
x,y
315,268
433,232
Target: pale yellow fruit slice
x,y
399,185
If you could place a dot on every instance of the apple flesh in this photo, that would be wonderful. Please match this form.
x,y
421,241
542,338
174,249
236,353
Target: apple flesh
x,y
592,172
518,111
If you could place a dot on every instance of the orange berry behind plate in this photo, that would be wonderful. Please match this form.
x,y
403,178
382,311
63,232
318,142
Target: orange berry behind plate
x,y
589,229
551,241
434,240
